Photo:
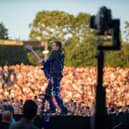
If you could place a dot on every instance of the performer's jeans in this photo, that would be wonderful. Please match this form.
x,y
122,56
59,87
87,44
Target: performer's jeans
x,y
53,89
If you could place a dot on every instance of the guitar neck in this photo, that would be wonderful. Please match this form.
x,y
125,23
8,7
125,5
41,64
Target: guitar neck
x,y
36,56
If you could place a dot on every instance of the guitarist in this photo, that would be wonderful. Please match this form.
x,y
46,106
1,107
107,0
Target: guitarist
x,y
53,68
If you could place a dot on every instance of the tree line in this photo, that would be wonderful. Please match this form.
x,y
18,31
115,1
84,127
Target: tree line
x,y
78,39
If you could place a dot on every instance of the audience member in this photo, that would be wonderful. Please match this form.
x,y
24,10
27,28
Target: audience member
x,y
29,113
6,120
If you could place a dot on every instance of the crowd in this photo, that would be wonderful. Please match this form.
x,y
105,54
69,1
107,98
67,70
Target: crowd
x,y
29,110
21,82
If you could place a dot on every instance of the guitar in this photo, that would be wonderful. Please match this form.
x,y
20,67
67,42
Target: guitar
x,y
46,70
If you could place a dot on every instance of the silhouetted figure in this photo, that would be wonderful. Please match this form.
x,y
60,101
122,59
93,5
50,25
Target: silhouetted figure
x,y
6,120
29,113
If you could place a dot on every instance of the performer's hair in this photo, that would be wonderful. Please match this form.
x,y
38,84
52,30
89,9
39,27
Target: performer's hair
x,y
59,44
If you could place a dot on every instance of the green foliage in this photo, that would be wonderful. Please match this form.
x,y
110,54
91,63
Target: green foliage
x,y
79,54
127,31
79,41
83,54
81,28
3,31
114,59
59,25
50,24
125,54
76,54
118,58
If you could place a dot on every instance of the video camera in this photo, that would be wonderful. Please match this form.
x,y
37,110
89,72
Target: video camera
x,y
103,22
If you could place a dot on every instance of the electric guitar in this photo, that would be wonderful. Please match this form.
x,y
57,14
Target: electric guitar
x,y
46,70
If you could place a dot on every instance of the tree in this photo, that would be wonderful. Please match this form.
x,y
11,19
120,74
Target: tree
x,y
80,27
3,31
59,25
51,25
125,54
73,31
127,31
79,54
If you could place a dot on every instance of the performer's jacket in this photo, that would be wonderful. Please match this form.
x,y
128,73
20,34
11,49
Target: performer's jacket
x,y
53,66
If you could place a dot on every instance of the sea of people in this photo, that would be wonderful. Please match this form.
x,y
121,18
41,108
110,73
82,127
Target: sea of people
x,y
78,88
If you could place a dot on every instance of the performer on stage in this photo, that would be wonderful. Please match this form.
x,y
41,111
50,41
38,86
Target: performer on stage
x,y
53,68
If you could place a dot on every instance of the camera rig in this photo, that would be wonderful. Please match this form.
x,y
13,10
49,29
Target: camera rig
x,y
103,22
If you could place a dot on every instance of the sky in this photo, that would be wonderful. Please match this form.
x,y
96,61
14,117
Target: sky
x,y
16,15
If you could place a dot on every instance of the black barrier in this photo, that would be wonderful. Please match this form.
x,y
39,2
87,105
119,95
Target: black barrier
x,y
115,121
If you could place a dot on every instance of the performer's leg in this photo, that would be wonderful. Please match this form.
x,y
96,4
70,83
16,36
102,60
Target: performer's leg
x,y
56,93
48,96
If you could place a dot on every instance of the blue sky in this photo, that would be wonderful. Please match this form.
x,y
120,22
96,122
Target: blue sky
x,y
18,14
